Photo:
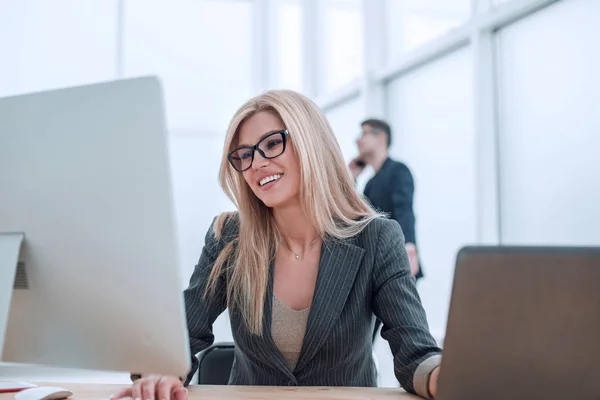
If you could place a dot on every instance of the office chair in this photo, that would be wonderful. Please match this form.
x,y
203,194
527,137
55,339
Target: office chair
x,y
214,364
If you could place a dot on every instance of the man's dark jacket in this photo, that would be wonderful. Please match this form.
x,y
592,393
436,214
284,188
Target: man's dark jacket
x,y
391,191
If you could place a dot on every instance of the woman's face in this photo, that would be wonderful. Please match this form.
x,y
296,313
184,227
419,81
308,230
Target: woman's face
x,y
274,176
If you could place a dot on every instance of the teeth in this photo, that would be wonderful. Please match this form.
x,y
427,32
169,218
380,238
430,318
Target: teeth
x,y
268,179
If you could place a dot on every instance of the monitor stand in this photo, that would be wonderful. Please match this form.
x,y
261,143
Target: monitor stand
x,y
10,248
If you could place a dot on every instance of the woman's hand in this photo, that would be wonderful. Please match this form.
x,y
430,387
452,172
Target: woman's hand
x,y
153,387
433,381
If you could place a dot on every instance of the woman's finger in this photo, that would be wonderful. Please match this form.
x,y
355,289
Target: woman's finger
x,y
136,390
164,388
127,392
149,389
181,394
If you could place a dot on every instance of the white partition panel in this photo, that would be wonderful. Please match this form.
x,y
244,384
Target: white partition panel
x,y
550,126
431,113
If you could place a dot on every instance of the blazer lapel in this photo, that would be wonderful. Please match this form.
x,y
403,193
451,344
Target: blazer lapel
x,y
339,264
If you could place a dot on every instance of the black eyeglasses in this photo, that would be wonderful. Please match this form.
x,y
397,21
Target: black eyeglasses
x,y
271,146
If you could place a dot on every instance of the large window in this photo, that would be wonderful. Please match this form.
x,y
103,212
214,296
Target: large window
x,y
345,121
550,126
289,38
431,114
343,43
204,80
412,23
501,2
52,44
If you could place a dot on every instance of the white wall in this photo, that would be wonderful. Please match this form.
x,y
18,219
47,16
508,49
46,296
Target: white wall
x,y
550,126
431,113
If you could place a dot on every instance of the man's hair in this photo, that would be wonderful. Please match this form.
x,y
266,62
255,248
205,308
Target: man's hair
x,y
380,125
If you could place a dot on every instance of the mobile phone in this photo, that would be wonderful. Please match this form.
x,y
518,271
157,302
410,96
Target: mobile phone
x,y
12,387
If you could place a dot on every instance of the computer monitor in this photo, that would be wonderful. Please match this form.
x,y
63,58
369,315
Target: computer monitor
x,y
84,178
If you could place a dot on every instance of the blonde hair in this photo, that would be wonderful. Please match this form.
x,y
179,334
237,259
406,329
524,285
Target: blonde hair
x,y
327,195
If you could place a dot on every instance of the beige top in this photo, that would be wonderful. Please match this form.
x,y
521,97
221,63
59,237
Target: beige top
x,y
287,329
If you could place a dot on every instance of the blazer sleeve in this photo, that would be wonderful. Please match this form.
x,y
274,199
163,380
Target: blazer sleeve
x,y
403,188
397,304
202,310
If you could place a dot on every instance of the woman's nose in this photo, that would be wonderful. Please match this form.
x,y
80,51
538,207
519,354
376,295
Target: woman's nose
x,y
259,161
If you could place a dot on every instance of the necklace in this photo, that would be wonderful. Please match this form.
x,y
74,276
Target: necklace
x,y
297,255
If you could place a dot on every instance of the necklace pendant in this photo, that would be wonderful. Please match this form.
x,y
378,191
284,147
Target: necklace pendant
x,y
297,256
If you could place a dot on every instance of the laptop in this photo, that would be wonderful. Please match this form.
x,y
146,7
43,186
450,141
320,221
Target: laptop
x,y
524,323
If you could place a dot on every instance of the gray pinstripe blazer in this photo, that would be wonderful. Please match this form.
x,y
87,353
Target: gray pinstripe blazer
x,y
359,278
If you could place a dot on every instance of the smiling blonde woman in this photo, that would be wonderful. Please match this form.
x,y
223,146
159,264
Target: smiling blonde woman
x,y
304,266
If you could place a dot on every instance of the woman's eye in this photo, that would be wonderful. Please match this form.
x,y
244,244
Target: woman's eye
x,y
273,143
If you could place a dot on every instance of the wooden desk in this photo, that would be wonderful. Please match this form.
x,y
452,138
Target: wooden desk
x,y
102,392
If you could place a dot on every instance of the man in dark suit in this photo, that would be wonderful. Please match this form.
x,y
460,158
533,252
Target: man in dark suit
x,y
391,189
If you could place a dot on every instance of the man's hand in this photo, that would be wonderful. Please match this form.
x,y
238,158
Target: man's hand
x,y
433,381
413,258
356,168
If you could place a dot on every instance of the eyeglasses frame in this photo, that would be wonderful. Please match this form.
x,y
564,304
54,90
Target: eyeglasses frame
x,y
284,134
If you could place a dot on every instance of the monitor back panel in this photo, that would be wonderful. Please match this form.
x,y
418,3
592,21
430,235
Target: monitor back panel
x,y
524,323
84,173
